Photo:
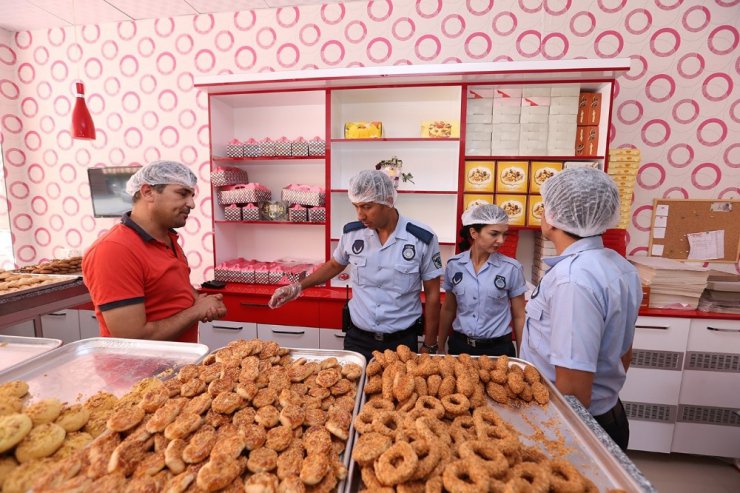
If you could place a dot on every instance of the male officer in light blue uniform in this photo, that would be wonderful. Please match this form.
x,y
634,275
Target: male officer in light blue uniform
x,y
581,318
392,257
484,289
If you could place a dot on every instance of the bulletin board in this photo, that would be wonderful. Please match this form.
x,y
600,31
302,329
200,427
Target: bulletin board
x,y
698,230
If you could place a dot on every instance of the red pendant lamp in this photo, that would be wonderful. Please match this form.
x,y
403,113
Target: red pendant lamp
x,y
82,124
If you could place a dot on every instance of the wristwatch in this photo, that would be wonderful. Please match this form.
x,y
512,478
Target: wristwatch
x,y
431,349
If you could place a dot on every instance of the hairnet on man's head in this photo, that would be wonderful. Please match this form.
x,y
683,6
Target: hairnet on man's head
x,y
372,186
581,201
484,214
161,173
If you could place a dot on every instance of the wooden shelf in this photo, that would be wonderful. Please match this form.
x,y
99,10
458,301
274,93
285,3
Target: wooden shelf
x,y
532,158
220,159
400,139
223,221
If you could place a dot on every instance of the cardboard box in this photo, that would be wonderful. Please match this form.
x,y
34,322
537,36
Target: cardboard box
x,y
507,106
480,92
478,147
589,108
565,90
503,92
510,118
535,101
540,171
484,118
535,209
564,106
479,106
479,176
587,141
440,129
511,176
515,207
363,130
529,91
476,199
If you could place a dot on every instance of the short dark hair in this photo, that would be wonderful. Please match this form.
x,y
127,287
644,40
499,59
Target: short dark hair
x,y
137,195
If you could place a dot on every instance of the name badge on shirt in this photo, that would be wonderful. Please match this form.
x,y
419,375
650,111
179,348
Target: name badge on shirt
x,y
409,252
358,246
500,282
457,278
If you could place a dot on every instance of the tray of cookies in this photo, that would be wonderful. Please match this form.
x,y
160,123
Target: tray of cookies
x,y
462,423
71,265
251,416
14,283
17,349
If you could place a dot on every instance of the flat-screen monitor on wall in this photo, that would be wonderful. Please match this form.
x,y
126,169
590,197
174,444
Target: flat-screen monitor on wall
x,y
108,190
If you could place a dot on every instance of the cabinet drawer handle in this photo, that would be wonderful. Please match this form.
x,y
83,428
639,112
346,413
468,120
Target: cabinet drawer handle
x,y
244,303
660,327
225,327
340,336
717,329
288,332
57,314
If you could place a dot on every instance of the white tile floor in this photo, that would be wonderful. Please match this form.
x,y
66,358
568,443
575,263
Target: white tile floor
x,y
684,473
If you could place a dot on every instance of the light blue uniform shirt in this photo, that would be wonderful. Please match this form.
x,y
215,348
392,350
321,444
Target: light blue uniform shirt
x,y
387,279
483,307
582,317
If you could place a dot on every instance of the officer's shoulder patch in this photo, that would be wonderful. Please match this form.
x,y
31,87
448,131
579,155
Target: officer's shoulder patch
x,y
421,233
353,226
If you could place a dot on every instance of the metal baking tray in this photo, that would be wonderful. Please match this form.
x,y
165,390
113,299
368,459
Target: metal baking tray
x,y
17,349
561,426
343,357
80,369
61,280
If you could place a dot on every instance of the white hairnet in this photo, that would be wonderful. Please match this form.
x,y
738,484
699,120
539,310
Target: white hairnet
x,y
372,186
581,201
161,173
484,214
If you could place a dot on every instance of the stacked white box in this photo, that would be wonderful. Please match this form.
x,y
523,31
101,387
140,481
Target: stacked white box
x,y
505,139
562,136
564,105
565,90
479,115
542,248
533,139
529,91
534,114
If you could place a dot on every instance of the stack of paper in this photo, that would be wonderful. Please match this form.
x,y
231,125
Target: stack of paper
x,y
673,284
722,294
623,166
542,248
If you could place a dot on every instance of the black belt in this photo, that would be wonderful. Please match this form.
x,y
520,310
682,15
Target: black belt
x,y
382,337
611,416
472,342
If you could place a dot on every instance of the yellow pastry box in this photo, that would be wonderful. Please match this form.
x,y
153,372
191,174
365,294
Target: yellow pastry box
x,y
541,171
474,199
511,176
479,176
515,207
440,129
363,130
535,210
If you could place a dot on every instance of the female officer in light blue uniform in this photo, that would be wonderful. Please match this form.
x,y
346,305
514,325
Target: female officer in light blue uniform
x,y
581,318
484,290
391,257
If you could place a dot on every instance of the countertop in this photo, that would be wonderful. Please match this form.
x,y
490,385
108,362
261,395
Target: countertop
x,y
21,306
612,447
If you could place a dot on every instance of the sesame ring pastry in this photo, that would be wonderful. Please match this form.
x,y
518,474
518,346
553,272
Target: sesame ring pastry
x,y
397,464
314,468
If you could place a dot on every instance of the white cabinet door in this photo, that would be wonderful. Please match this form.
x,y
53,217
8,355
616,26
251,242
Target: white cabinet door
x,y
23,329
650,436
719,336
706,439
219,333
64,325
89,326
290,336
331,339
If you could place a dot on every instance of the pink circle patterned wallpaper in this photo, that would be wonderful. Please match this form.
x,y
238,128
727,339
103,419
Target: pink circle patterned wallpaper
x,y
679,103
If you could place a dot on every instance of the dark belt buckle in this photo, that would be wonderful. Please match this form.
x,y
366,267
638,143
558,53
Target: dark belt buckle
x,y
471,342
378,336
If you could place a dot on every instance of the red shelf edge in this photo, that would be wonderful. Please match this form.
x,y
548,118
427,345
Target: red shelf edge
x,y
304,223
400,139
531,158
220,159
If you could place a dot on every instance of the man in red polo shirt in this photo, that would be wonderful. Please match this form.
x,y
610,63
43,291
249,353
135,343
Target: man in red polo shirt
x,y
137,274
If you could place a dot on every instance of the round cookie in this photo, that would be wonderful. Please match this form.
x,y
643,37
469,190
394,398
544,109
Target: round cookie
x,y
10,405
44,411
16,388
73,417
42,441
13,429
74,441
96,424
7,465
21,478
102,401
